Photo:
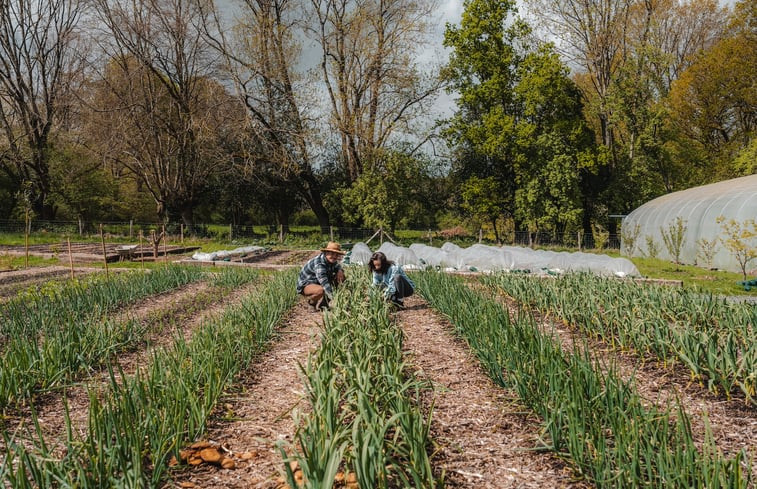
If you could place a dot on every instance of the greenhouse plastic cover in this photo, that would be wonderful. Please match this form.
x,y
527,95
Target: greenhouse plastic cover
x,y
699,208
492,258
223,254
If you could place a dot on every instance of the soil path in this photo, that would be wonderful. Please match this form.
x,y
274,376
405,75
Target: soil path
x,y
733,423
260,413
485,437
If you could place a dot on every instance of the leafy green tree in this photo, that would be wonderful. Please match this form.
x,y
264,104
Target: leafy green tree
x,y
519,127
713,102
482,69
483,201
387,191
556,146
673,237
740,238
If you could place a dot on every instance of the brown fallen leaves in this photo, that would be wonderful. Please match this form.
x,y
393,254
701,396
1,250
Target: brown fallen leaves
x,y
348,481
204,452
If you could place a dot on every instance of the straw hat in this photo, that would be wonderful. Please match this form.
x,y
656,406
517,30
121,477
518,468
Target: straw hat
x,y
334,248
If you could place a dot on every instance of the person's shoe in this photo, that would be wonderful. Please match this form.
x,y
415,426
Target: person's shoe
x,y
398,303
322,304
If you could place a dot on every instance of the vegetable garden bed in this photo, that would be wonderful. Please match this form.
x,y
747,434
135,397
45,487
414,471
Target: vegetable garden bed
x,y
400,401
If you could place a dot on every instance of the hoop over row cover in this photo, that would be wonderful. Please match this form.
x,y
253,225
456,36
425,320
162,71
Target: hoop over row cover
x,y
699,209
493,258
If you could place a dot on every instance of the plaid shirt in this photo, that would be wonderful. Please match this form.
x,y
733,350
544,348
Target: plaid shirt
x,y
318,271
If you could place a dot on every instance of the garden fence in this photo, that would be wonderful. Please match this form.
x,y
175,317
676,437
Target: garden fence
x,y
275,233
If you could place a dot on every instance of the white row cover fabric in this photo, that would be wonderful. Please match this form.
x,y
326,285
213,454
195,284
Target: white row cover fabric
x,y
699,208
492,258
223,254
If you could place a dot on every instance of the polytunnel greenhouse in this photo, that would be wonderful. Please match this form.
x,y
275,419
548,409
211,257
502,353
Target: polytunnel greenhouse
x,y
484,258
699,209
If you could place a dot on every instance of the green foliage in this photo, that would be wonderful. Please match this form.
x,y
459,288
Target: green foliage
x,y
600,235
706,250
653,249
389,189
713,101
630,235
746,161
673,238
483,200
520,127
740,238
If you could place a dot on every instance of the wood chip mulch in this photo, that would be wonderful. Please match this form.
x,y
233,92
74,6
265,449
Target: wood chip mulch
x,y
259,415
485,437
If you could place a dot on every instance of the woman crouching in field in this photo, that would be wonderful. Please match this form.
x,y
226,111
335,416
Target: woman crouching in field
x,y
390,277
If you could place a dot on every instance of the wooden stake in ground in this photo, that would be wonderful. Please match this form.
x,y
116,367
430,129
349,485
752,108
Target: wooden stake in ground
x,y
70,258
165,245
141,252
26,240
105,256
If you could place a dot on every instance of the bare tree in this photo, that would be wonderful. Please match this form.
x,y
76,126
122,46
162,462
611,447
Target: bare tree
x,y
166,115
592,34
39,63
375,86
682,30
261,56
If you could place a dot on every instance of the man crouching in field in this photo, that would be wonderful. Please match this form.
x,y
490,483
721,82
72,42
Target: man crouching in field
x,y
321,275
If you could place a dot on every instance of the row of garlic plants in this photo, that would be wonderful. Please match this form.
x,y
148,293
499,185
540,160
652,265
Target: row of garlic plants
x,y
53,335
715,339
366,416
143,420
591,415
40,310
